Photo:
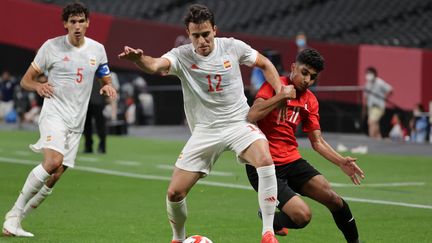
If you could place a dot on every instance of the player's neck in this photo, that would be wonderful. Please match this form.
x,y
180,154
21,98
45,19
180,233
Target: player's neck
x,y
76,42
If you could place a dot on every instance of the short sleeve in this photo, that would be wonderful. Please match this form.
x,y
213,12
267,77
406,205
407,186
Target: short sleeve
x,y
104,58
172,57
311,120
265,92
40,62
246,54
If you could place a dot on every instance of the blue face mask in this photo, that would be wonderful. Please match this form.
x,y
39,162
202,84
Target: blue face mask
x,y
301,42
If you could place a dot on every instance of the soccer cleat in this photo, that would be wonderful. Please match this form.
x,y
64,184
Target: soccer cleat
x,y
269,237
282,232
12,226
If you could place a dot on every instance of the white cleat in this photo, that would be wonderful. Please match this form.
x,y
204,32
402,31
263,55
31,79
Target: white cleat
x,y
12,226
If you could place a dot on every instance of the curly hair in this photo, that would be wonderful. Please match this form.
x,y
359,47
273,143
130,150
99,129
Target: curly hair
x,y
311,58
74,9
198,14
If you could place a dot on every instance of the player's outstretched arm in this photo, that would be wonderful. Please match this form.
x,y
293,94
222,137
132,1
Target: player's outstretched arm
x,y
148,64
29,82
261,107
347,164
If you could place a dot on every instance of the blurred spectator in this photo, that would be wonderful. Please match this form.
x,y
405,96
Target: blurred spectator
x,y
398,132
420,125
7,87
376,93
143,101
301,41
95,112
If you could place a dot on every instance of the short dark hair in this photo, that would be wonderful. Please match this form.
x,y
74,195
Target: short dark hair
x,y
198,14
74,9
311,58
372,70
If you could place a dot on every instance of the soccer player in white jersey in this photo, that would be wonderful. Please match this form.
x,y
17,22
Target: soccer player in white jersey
x,y
216,109
71,62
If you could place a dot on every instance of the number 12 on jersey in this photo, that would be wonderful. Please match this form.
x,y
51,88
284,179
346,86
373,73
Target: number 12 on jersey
x,y
216,79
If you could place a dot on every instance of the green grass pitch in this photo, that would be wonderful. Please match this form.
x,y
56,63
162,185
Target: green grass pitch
x,y
120,197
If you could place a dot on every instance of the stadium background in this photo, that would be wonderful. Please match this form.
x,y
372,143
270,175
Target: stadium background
x,y
390,35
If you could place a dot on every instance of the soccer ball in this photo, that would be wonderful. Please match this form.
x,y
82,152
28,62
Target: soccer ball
x,y
197,239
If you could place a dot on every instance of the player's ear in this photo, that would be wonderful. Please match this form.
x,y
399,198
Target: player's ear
x,y
88,22
214,29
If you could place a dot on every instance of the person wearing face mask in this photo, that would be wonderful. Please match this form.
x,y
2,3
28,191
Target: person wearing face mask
x,y
295,175
301,41
376,93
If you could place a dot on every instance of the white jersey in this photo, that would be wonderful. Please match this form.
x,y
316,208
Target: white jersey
x,y
71,71
212,85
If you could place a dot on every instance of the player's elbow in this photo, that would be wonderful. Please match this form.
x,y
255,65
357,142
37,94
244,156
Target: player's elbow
x,y
253,116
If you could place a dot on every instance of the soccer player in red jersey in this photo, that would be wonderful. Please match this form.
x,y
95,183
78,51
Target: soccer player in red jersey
x,y
295,174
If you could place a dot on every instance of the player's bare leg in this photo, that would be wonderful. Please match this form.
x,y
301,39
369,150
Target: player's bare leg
x,y
319,189
181,183
258,155
33,184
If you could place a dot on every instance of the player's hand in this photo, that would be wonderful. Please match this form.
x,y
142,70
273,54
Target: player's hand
x,y
286,92
351,168
131,54
45,90
109,91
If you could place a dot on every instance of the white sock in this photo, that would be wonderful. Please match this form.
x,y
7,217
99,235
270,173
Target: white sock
x,y
267,195
32,185
177,214
36,200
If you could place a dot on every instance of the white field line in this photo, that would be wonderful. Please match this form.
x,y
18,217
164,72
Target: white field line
x,y
127,162
390,184
213,172
22,153
87,159
209,183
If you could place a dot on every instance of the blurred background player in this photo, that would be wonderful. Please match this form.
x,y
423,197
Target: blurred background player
x,y
216,111
376,93
295,174
66,94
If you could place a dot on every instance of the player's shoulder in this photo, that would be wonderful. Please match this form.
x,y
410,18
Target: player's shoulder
x,y
92,42
310,97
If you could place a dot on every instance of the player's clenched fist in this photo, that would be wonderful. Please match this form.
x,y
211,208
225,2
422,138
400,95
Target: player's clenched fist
x,y
288,91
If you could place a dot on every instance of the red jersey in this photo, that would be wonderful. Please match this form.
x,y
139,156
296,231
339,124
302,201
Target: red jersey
x,y
281,137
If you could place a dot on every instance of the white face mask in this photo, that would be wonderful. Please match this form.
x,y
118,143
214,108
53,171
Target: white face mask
x,y
369,77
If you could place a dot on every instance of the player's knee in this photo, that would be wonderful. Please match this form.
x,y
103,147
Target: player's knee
x,y
175,195
51,164
264,160
302,217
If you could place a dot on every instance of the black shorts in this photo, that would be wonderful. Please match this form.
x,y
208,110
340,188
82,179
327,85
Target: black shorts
x,y
290,178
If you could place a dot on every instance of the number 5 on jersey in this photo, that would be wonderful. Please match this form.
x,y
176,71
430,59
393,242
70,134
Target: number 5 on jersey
x,y
216,79
79,75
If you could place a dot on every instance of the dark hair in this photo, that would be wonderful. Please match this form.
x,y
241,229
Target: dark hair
x,y
311,58
74,9
372,70
198,14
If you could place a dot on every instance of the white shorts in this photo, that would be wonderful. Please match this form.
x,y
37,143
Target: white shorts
x,y
206,145
56,136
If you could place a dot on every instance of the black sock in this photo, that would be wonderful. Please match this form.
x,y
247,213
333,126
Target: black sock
x,y
282,220
346,223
